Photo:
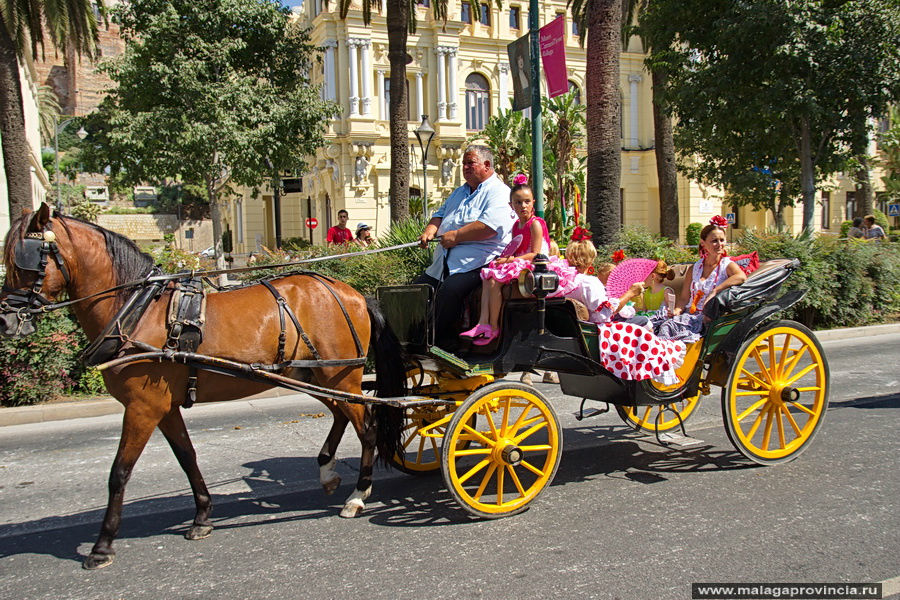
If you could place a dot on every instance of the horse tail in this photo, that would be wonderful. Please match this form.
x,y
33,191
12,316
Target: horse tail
x,y
390,382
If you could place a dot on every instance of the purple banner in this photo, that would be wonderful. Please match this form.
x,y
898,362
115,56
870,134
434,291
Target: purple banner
x,y
553,56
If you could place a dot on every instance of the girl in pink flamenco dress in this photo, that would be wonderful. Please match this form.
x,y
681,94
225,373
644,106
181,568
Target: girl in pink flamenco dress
x,y
534,239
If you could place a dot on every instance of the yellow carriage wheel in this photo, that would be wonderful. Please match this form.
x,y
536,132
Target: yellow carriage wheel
x,y
777,393
501,450
422,429
644,418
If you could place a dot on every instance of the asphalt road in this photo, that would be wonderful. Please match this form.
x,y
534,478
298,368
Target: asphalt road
x,y
624,517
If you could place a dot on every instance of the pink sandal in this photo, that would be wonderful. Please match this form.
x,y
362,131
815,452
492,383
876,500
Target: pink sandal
x,y
491,335
476,332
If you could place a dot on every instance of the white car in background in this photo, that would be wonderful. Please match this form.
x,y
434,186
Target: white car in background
x,y
209,252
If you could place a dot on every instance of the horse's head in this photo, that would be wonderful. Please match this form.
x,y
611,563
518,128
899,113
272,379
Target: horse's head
x,y
35,272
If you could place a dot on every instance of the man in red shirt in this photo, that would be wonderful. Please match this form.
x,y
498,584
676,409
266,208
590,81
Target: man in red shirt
x,y
339,234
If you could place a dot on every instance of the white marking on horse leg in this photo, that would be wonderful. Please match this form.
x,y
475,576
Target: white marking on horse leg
x,y
355,503
328,477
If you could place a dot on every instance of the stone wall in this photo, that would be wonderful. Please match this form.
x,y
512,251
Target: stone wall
x,y
152,228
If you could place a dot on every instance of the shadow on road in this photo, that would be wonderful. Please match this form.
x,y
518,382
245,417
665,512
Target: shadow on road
x,y
275,496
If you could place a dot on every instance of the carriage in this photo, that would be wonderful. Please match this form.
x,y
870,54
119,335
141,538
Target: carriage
x,y
163,344
498,443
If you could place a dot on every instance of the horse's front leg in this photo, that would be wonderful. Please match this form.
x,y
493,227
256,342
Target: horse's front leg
x,y
366,431
137,426
173,427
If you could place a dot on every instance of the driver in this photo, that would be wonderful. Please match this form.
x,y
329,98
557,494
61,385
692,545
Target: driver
x,y
474,224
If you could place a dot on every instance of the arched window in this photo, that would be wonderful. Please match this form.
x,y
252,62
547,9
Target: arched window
x,y
573,87
478,101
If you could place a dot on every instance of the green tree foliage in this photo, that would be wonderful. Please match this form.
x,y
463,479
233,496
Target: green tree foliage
x,y
889,144
208,93
72,27
782,87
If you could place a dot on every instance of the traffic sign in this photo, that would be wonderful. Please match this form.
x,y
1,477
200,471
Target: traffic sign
x,y
312,222
730,217
894,210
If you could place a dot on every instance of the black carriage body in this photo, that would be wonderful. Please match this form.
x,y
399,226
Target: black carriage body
x,y
547,335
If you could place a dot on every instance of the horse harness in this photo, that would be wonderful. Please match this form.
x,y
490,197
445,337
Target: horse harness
x,y
32,254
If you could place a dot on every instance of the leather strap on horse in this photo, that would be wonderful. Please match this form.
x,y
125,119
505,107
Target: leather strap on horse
x,y
282,337
187,314
320,279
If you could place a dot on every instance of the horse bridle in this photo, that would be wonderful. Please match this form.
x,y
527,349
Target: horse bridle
x,y
32,254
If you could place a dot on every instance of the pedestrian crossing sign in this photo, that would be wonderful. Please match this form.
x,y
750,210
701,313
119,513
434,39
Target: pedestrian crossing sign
x,y
730,217
894,210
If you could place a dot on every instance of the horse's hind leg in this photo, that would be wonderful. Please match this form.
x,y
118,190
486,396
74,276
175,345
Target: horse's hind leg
x,y
327,458
173,428
137,426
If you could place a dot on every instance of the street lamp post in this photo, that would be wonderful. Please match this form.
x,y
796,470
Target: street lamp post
x,y
424,133
82,133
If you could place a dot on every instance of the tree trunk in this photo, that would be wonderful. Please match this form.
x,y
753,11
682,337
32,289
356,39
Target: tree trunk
x,y
807,176
397,23
864,197
604,160
666,171
16,150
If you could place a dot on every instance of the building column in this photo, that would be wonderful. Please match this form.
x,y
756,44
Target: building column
x,y
633,80
441,52
354,77
420,96
504,87
330,87
382,105
366,75
454,91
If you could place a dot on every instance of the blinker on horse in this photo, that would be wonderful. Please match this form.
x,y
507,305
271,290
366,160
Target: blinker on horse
x,y
46,255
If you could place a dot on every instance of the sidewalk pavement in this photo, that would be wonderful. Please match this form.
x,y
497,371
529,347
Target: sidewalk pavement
x,y
57,411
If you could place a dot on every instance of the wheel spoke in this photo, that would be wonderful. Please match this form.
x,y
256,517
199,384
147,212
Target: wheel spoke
x,y
762,365
784,353
421,451
753,393
646,416
505,424
780,423
800,374
515,479
494,434
753,407
516,440
473,452
767,432
760,382
532,468
808,411
500,477
478,435
518,423
535,447
812,388
484,481
482,464
526,423
795,358
772,370
756,423
791,420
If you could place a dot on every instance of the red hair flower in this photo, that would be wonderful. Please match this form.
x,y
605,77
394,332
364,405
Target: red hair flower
x,y
719,221
618,256
520,179
580,234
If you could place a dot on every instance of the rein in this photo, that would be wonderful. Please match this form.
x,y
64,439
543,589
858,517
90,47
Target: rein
x,y
152,277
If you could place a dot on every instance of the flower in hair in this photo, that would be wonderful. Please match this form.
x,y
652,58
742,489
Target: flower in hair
x,y
580,234
719,221
618,256
520,179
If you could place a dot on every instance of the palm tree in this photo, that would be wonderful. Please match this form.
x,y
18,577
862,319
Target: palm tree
x,y
71,25
664,144
601,22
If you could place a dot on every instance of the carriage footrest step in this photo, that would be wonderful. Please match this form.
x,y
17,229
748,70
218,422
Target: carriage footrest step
x,y
676,439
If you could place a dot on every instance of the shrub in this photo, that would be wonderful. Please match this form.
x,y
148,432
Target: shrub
x,y
845,228
639,242
848,282
881,219
692,234
40,367
173,260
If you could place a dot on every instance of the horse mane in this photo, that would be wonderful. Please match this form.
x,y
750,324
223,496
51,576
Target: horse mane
x,y
129,262
16,232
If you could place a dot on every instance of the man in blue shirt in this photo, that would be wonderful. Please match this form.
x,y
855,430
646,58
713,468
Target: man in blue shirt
x,y
474,224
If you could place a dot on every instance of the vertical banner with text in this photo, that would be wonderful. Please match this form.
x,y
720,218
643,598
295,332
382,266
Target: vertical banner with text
x,y
553,55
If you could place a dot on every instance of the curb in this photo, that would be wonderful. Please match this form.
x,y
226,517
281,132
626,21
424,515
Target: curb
x,y
42,413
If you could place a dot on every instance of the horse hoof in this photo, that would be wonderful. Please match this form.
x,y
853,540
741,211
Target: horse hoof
x,y
97,561
351,511
331,486
198,532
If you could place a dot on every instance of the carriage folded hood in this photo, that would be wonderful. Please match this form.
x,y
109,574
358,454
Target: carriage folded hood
x,y
762,285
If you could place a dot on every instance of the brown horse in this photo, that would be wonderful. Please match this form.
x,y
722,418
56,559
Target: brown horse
x,y
242,325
